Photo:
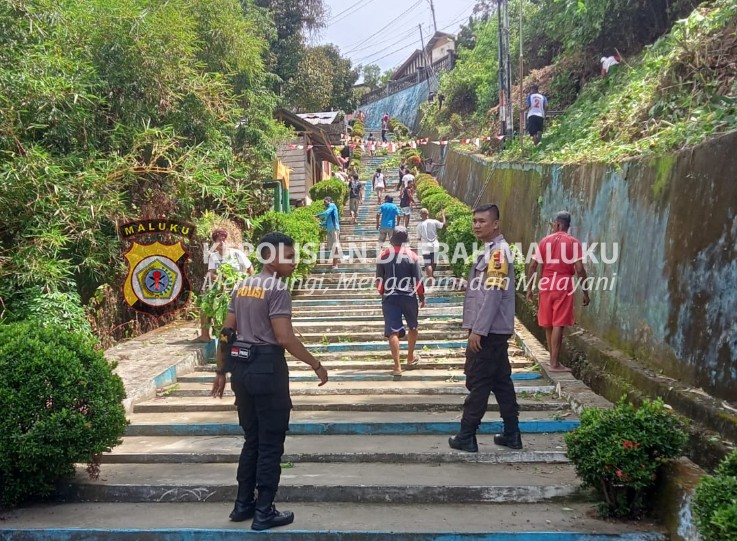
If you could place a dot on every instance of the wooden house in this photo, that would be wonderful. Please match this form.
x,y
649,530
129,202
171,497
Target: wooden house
x,y
309,156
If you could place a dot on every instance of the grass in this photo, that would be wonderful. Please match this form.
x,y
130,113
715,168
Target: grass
x,y
675,95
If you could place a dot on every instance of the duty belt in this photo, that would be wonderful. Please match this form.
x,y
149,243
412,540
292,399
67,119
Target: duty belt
x,y
244,352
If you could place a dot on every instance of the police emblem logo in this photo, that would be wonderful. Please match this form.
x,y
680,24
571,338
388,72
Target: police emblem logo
x,y
157,281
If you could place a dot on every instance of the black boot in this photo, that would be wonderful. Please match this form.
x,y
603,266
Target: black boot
x,y
243,511
461,443
269,517
513,440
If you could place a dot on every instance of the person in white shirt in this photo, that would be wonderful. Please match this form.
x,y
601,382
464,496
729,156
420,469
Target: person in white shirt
x,y
379,185
220,253
536,106
607,63
427,231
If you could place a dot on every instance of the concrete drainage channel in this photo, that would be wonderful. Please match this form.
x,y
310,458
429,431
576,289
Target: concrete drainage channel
x,y
366,457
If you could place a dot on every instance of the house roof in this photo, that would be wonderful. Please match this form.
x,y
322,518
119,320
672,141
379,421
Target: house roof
x,y
437,37
321,118
400,69
322,147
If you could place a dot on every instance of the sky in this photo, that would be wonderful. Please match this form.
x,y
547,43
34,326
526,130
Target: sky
x,y
385,32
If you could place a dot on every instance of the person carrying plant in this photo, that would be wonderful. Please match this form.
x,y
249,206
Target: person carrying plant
x,y
402,171
384,127
427,231
399,281
220,252
561,256
387,218
488,314
355,188
331,222
256,331
536,105
379,185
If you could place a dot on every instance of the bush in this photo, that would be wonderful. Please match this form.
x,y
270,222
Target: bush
x,y
715,502
619,452
60,403
299,224
333,188
52,308
460,231
358,129
414,161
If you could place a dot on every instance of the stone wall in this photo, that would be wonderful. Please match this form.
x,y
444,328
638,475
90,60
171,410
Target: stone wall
x,y
403,105
671,301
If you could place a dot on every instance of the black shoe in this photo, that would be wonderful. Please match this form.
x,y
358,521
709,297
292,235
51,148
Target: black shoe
x,y
242,511
271,518
469,444
513,440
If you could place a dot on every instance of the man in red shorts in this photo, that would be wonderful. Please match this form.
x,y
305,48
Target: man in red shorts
x,y
561,257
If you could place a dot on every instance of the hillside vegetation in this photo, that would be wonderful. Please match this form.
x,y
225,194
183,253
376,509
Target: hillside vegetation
x,y
675,92
107,115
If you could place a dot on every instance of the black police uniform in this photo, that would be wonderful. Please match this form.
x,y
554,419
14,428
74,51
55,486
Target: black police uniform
x,y
260,381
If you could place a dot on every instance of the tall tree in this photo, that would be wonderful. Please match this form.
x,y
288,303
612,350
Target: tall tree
x,y
324,81
371,75
293,20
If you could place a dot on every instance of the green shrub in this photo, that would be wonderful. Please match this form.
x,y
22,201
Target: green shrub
x,y
436,202
299,224
619,452
60,403
214,303
52,308
715,502
358,129
459,231
333,188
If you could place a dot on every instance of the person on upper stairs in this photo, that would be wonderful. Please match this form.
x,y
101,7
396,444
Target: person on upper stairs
x,y
536,106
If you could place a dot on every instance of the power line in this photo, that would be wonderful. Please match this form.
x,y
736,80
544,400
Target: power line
x,y
385,47
355,8
356,46
332,18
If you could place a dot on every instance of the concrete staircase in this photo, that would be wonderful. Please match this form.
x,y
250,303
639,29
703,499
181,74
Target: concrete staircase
x,y
366,456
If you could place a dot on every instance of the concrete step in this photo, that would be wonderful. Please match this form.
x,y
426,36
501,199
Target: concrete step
x,y
318,423
341,337
208,521
334,482
373,301
376,324
354,321
435,311
422,345
396,387
548,448
453,360
379,403
383,374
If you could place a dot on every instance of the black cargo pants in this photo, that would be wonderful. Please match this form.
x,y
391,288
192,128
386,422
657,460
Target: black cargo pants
x,y
489,371
261,388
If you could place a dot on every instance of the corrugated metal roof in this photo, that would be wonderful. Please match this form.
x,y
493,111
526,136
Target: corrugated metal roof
x,y
320,118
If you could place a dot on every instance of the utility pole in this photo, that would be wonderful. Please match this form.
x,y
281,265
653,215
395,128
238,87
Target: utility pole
x,y
434,22
422,42
521,83
505,72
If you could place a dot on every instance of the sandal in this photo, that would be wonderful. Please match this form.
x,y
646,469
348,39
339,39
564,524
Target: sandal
x,y
396,374
415,361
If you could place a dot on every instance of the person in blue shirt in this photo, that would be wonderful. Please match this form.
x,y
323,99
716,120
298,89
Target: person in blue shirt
x,y
386,218
331,222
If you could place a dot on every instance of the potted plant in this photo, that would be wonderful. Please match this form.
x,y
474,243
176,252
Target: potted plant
x,y
620,451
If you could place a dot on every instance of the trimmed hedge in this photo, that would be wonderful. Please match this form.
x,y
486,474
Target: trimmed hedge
x,y
333,188
715,502
301,225
60,403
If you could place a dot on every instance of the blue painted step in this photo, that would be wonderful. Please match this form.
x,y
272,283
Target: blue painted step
x,y
348,428
381,346
243,534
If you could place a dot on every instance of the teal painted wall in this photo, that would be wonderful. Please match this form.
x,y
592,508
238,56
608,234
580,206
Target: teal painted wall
x,y
673,305
403,105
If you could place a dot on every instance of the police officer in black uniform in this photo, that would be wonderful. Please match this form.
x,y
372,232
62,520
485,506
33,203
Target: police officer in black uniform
x,y
488,315
256,331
